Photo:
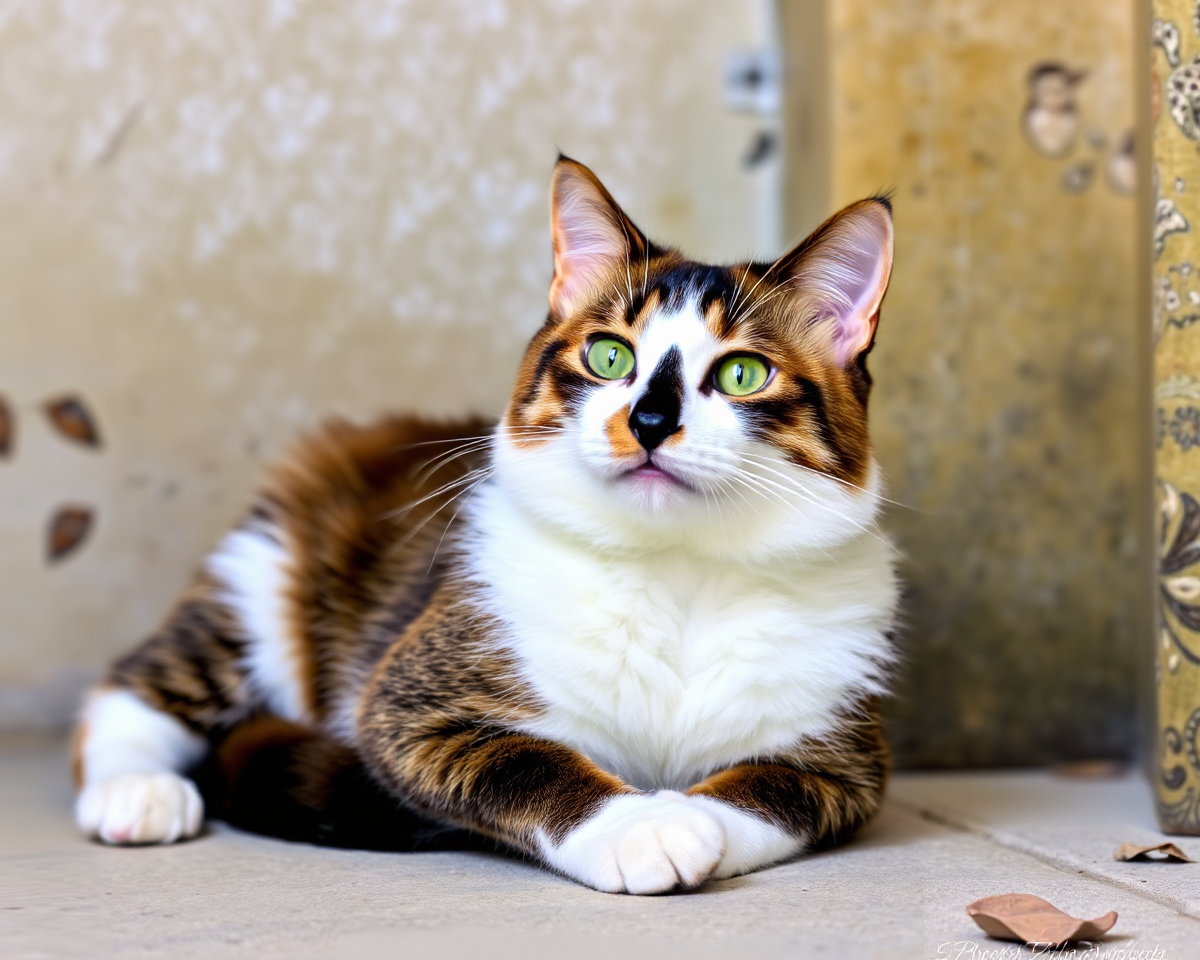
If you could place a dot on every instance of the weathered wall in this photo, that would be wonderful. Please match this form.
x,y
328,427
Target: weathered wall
x,y
1007,411
222,221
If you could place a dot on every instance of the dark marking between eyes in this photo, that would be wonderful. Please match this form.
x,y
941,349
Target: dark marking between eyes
x,y
656,414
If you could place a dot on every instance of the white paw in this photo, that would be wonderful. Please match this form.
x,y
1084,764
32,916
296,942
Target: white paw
x,y
140,808
751,842
642,843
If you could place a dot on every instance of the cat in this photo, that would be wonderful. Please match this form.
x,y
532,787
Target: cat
x,y
638,631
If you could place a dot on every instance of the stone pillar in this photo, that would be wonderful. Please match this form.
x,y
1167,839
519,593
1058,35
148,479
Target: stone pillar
x,y
1007,411
1175,119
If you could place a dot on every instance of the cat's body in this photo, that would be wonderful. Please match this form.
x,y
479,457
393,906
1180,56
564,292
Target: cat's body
x,y
665,665
638,631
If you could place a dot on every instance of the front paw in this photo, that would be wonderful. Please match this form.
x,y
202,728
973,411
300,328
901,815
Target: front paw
x,y
642,843
140,808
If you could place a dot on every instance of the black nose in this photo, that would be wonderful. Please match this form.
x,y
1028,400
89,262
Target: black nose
x,y
656,415
652,427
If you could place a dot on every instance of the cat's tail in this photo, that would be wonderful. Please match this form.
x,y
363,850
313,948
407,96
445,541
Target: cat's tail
x,y
276,778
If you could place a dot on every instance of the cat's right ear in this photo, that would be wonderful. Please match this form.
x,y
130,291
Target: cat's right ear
x,y
592,236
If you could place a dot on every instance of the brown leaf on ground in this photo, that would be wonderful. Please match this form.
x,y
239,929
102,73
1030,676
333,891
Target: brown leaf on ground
x,y
1024,917
68,529
1170,853
72,419
1090,769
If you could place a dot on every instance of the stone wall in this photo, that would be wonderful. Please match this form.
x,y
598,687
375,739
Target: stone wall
x,y
1008,411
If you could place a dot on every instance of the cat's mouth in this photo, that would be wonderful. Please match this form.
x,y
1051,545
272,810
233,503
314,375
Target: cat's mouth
x,y
653,475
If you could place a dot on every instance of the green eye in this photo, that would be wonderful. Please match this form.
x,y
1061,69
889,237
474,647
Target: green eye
x,y
610,359
741,376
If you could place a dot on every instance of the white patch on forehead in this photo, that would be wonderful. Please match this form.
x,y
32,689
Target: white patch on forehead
x,y
683,328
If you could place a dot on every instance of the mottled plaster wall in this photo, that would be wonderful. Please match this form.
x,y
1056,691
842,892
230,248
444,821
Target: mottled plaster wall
x,y
1007,411
221,221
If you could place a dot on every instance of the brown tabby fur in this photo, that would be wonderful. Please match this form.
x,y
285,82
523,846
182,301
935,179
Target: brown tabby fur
x,y
434,727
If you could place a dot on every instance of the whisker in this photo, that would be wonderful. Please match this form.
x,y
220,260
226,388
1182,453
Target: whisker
x,y
795,551
645,266
792,487
409,507
766,274
628,254
431,443
734,478
765,299
846,483
470,492
738,292
403,541
817,502
482,436
428,467
533,430
424,470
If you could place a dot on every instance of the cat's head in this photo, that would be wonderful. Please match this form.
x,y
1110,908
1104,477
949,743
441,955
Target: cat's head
x,y
666,400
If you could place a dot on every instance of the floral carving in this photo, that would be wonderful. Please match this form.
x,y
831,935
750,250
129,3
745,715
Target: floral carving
x,y
1185,427
1181,815
1167,220
1183,99
1179,590
1166,35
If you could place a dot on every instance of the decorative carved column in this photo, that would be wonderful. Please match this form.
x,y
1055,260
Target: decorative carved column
x,y
1175,118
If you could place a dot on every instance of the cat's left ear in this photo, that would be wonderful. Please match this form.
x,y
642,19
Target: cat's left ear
x,y
842,273
592,236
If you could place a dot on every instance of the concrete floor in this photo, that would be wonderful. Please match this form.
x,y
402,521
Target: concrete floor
x,y
899,891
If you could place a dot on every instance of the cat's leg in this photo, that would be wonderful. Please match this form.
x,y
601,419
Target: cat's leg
x,y
815,796
227,649
130,760
424,731
553,803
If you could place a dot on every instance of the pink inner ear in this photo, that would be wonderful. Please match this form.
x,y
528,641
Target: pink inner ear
x,y
856,323
588,238
585,247
849,271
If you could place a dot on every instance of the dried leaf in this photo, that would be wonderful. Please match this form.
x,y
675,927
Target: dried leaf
x,y
69,527
1170,853
1024,917
1090,769
71,418
6,428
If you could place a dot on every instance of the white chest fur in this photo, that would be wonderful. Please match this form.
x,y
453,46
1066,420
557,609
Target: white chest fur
x,y
664,667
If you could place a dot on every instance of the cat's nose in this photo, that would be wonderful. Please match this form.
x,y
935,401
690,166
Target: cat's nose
x,y
656,415
650,426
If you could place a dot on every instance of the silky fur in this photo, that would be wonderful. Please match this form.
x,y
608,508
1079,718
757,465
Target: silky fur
x,y
642,678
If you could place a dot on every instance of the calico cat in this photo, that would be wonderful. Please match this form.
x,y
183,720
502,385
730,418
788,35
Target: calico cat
x,y
638,630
